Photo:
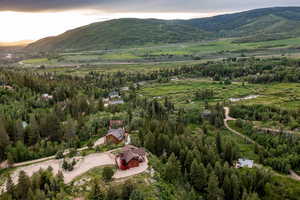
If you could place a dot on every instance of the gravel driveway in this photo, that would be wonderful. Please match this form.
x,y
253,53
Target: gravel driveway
x,y
85,164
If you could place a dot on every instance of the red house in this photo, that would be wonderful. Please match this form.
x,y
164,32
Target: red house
x,y
130,157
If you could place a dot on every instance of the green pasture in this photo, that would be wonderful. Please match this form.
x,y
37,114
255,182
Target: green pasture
x,y
174,52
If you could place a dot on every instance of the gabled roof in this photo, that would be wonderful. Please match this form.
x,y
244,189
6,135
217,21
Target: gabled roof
x,y
131,152
117,133
114,93
116,102
245,162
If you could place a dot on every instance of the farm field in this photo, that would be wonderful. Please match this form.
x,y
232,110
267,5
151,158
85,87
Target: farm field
x,y
285,95
169,53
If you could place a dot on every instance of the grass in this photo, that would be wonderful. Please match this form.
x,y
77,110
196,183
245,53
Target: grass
x,y
285,95
36,61
94,173
177,52
119,56
182,90
246,149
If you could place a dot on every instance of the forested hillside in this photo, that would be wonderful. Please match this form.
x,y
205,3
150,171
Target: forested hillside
x,y
121,33
191,154
265,24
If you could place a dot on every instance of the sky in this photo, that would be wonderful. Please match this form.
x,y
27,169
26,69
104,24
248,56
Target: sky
x,y
36,19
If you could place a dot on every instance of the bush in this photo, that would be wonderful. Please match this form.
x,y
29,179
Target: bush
x,y
59,155
108,173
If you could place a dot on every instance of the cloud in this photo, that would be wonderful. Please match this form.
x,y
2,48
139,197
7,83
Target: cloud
x,y
140,5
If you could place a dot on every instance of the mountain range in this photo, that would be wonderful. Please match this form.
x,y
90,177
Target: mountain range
x,y
253,25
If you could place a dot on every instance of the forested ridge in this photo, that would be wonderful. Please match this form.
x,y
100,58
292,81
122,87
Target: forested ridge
x,y
254,25
190,154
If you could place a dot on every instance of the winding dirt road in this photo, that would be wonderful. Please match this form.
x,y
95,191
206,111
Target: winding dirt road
x,y
292,175
228,118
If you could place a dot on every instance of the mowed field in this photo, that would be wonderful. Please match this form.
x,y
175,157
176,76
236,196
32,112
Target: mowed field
x,y
175,52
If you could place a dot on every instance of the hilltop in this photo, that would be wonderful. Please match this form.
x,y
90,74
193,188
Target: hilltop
x,y
253,25
120,33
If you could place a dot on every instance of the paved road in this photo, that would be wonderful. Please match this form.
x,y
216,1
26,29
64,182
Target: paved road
x,y
293,174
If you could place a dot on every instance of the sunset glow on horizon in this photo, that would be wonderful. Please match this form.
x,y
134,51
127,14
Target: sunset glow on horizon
x,y
18,26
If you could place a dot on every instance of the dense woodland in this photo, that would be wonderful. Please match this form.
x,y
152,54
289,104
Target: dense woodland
x,y
200,165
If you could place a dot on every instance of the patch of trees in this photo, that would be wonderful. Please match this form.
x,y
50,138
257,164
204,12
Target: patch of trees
x,y
256,112
281,151
42,185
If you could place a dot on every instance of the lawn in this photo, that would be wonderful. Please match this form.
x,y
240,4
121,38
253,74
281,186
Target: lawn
x,y
177,52
182,90
285,95
36,61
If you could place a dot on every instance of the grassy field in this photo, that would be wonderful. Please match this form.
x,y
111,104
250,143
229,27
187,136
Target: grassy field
x,y
285,95
177,52
36,61
182,90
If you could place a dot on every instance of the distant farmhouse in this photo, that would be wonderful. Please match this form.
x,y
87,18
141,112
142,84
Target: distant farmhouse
x,y
123,89
242,162
113,99
47,97
114,95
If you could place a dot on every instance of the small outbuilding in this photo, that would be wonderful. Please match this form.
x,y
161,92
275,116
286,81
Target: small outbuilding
x,y
242,162
47,97
114,95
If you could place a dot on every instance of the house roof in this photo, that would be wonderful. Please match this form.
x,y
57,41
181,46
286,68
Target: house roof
x,y
114,93
117,133
116,102
131,152
245,162
125,88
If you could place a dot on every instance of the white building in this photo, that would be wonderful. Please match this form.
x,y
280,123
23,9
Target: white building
x,y
242,162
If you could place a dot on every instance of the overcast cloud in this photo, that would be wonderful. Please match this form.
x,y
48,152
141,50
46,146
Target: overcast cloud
x,y
141,5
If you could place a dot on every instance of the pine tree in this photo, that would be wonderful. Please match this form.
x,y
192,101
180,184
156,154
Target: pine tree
x,y
219,143
30,195
213,190
4,141
172,170
127,189
111,193
198,175
23,185
96,193
227,187
136,195
235,187
9,185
